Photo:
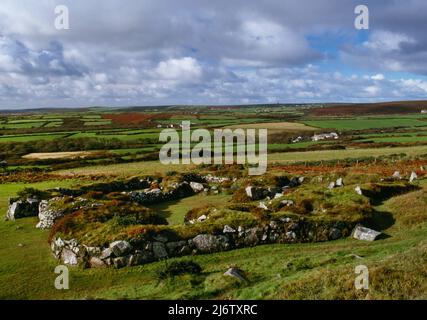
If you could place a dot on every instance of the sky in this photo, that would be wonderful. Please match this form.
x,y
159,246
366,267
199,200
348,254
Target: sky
x,y
161,52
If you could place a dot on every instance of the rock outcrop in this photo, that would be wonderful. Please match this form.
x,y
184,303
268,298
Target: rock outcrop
x,y
150,196
22,208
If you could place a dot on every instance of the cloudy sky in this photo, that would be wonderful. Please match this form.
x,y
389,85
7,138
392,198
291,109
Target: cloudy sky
x,y
156,52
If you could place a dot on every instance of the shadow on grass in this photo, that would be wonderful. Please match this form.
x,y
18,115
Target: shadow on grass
x,y
163,208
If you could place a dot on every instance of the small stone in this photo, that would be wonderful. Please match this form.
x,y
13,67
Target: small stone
x,y
339,182
120,262
228,229
291,235
358,190
396,175
197,187
335,234
331,185
202,218
262,206
287,203
413,176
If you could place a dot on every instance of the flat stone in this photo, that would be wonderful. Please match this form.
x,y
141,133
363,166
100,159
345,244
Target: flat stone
x,y
235,273
120,247
209,243
159,250
106,253
95,262
363,233
197,187
69,257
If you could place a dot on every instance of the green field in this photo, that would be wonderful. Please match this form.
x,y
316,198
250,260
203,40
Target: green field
x,y
361,124
325,155
30,137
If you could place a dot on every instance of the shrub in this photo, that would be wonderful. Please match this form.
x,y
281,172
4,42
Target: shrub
x,y
192,177
197,212
93,195
176,268
304,206
118,196
240,196
260,214
244,207
31,192
171,173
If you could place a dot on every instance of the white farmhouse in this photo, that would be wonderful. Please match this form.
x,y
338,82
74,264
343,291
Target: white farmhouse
x,y
323,136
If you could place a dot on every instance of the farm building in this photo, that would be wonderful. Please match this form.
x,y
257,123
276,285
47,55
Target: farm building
x,y
323,136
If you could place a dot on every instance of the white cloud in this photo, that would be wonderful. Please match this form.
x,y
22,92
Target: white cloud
x,y
185,69
378,77
387,41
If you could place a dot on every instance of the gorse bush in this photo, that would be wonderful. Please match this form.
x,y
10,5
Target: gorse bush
x,y
32,193
176,268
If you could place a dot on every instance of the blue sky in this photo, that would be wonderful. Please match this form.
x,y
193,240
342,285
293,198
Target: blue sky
x,y
210,52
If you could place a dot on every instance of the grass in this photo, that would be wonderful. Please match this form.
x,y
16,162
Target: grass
x,y
277,126
126,169
175,211
361,124
29,137
289,157
10,189
401,139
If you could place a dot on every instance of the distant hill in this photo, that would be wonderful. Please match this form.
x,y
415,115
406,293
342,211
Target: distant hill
x,y
356,109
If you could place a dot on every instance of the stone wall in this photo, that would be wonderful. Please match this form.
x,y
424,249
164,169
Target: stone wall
x,y
147,249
